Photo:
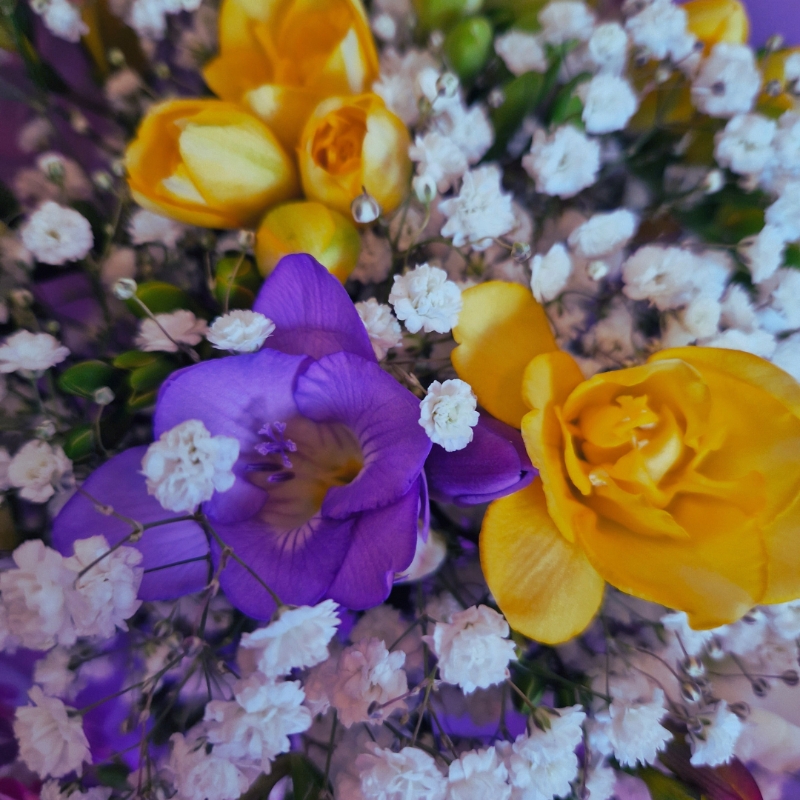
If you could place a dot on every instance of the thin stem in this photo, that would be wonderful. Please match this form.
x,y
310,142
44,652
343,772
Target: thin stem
x,y
331,745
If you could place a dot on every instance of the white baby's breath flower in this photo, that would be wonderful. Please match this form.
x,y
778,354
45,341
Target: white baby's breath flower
x,y
631,731
424,299
411,773
145,227
35,597
187,465
716,744
106,595
728,81
472,648
240,330
660,28
604,234
51,743
31,351
56,235
53,674
480,212
566,20
255,727
439,158
564,163
550,273
608,48
745,146
543,764
521,52
478,775
609,102
366,674
38,469
784,214
63,20
763,253
197,775
167,332
298,638
383,329
448,414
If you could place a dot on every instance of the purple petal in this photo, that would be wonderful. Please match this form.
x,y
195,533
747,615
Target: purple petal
x,y
385,419
493,465
233,396
118,483
382,543
298,566
312,312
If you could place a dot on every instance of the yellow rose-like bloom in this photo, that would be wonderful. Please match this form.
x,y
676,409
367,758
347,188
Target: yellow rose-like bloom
x,y
714,21
208,163
354,143
283,57
676,481
308,227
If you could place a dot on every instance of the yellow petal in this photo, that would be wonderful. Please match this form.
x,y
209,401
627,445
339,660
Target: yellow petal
x,y
715,577
714,21
543,584
500,329
548,381
783,554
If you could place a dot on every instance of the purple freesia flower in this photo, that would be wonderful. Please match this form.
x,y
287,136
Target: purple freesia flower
x,y
329,484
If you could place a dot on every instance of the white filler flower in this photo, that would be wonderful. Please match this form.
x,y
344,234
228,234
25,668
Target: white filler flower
x,y
425,300
396,776
167,332
51,742
383,329
448,414
56,235
31,351
299,637
241,331
564,163
38,469
187,465
472,648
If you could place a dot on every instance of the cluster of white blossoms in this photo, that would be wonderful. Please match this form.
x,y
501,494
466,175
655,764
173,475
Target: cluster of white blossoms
x,y
240,331
448,413
37,470
425,300
187,465
167,332
56,234
62,19
382,327
47,599
33,352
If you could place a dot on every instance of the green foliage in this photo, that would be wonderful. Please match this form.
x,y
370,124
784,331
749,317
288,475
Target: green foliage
x,y
238,279
159,297
87,377
468,47
79,442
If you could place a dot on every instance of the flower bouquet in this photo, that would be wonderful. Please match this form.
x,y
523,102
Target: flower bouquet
x,y
399,401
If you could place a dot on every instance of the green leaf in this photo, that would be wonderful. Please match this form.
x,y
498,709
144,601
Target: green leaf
x,y
243,278
468,46
85,378
567,106
151,376
113,775
792,256
131,359
521,95
80,442
663,787
307,780
139,401
159,297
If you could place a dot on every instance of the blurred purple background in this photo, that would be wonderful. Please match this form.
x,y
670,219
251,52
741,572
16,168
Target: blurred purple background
x,y
768,17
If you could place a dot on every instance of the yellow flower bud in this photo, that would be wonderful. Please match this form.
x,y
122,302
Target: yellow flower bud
x,y
208,163
352,144
258,64
308,227
714,21
780,91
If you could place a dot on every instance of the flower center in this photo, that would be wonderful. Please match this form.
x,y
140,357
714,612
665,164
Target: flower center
x,y
298,462
338,140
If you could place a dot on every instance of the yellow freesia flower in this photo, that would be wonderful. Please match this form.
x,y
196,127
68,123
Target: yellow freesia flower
x,y
676,481
308,227
780,94
208,163
350,144
714,21
259,64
